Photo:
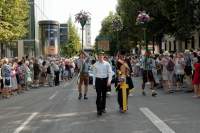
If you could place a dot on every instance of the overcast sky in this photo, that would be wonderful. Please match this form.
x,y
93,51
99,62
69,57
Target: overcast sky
x,y
60,10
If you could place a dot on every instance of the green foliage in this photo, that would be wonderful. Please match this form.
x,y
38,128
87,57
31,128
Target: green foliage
x,y
106,24
184,19
13,19
73,46
108,31
175,17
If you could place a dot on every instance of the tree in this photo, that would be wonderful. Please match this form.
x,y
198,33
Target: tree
x,y
108,31
13,19
159,11
73,45
178,18
196,11
184,20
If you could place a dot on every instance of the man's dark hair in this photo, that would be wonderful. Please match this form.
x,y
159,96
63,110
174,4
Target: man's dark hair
x,y
122,52
44,63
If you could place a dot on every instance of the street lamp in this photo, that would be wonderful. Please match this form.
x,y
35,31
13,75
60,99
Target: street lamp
x,y
142,19
117,26
82,17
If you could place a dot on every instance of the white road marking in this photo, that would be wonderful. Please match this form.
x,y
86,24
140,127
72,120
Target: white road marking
x,y
74,114
161,125
54,95
20,128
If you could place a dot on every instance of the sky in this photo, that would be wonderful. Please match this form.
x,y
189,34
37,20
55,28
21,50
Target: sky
x,y
60,10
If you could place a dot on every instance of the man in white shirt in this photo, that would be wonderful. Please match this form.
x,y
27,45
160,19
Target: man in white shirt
x,y
101,80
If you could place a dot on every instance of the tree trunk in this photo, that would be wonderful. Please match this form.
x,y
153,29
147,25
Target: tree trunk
x,y
1,50
153,44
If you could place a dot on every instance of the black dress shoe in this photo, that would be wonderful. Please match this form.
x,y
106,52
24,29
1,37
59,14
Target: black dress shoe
x,y
154,94
85,97
99,113
80,96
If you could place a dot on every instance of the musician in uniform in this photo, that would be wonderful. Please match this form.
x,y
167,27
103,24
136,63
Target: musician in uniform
x,y
123,73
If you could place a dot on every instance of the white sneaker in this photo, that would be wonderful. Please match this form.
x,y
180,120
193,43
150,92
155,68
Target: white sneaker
x,y
108,93
130,94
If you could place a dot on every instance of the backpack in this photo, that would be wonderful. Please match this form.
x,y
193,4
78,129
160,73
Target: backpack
x,y
170,65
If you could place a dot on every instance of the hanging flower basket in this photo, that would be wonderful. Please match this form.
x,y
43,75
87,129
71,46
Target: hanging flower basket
x,y
142,18
82,17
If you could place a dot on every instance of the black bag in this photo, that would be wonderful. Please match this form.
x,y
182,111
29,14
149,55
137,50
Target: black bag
x,y
170,65
129,82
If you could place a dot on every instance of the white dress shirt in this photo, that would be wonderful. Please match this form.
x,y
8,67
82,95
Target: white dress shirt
x,y
102,70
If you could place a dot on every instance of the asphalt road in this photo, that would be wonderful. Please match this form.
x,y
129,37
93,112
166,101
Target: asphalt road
x,y
57,110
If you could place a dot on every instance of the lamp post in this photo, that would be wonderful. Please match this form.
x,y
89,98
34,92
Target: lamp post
x,y
142,19
117,26
82,17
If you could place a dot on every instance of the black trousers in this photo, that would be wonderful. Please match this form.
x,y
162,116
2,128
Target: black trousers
x,y
101,87
108,89
56,79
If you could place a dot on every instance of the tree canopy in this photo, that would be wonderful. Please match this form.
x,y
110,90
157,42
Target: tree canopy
x,y
73,44
174,17
13,19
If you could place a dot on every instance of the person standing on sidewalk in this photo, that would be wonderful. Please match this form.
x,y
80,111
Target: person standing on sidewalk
x,y
83,65
101,80
167,72
50,74
6,76
179,71
56,73
37,70
188,70
196,79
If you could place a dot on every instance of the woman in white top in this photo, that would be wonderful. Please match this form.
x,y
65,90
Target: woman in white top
x,y
179,70
167,75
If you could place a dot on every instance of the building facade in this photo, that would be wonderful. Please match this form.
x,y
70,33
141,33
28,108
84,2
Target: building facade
x,y
30,44
63,34
171,44
49,32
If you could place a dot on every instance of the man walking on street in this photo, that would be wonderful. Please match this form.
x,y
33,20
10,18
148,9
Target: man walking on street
x,y
101,80
83,65
147,63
